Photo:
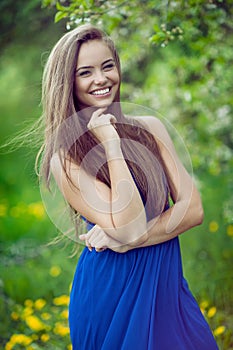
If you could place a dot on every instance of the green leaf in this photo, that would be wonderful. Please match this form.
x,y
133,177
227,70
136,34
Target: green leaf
x,y
60,7
156,28
60,15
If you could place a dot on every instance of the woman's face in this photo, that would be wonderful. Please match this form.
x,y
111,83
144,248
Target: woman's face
x,y
96,79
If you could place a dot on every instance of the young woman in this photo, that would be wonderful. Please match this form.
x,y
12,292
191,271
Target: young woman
x,y
119,173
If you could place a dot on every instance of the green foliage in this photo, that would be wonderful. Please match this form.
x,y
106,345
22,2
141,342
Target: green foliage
x,y
199,57
17,22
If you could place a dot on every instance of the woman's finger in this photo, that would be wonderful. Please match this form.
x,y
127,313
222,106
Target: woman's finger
x,y
99,250
92,237
85,238
82,237
99,111
88,245
101,119
94,117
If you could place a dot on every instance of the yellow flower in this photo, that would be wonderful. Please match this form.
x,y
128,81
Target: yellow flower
x,y
62,300
3,210
55,271
39,304
27,311
64,314
19,210
211,312
37,210
45,337
219,330
213,226
14,316
20,339
204,304
46,316
29,303
60,329
230,230
202,310
69,347
8,346
35,323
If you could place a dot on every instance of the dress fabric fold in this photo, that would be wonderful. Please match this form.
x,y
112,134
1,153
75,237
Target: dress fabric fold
x,y
136,300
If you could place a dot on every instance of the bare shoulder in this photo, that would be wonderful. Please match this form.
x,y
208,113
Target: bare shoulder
x,y
55,160
155,126
56,164
60,160
62,166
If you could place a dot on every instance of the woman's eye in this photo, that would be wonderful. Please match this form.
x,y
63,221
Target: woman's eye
x,y
108,66
84,73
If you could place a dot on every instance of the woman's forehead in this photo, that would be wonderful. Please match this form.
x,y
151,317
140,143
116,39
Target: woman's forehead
x,y
92,52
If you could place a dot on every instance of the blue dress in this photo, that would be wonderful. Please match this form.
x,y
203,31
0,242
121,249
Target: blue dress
x,y
138,300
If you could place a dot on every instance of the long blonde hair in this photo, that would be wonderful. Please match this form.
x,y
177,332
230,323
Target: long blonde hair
x,y
59,104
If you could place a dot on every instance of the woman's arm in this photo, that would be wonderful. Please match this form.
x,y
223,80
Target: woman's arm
x,y
183,215
118,210
187,210
127,209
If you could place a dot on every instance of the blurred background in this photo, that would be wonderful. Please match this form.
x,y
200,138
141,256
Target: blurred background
x,y
177,60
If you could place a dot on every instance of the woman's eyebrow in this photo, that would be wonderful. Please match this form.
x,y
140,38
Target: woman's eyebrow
x,y
83,67
88,67
108,60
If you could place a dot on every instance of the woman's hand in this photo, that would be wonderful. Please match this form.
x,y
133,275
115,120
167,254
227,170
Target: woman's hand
x,y
102,126
98,239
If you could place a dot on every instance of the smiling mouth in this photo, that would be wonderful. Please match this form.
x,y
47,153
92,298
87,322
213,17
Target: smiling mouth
x,y
101,92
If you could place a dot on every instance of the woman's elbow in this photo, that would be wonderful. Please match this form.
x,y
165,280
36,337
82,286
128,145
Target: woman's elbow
x,y
197,210
200,214
140,238
133,237
132,231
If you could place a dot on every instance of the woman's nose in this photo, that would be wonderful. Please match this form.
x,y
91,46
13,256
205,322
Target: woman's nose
x,y
100,77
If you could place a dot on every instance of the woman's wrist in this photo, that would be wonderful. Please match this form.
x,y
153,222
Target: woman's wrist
x,y
113,149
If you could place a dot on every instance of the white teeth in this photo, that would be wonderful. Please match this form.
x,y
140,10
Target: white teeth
x,y
101,92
